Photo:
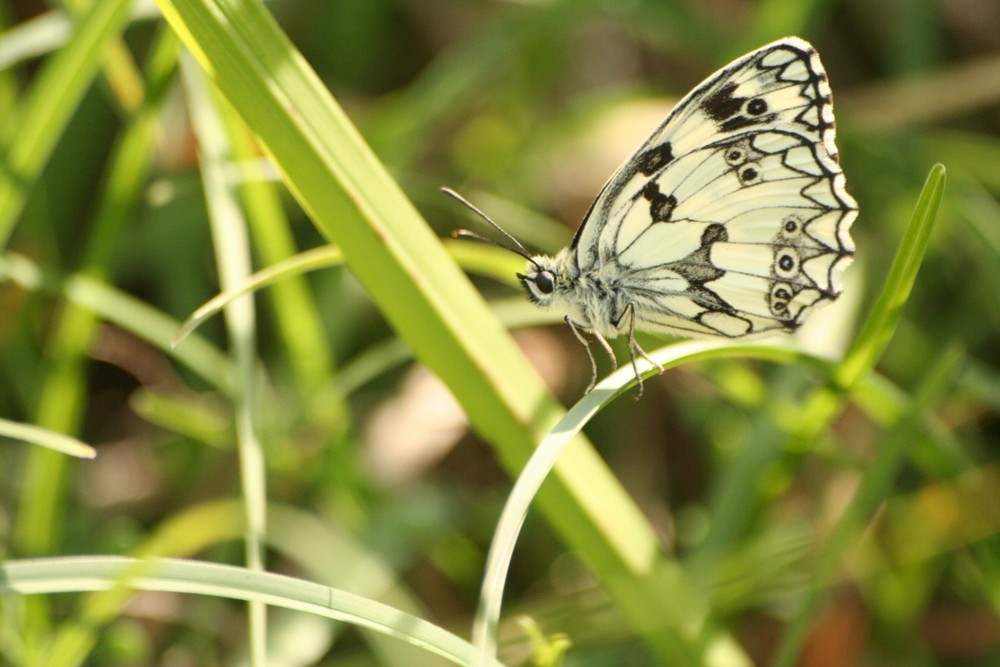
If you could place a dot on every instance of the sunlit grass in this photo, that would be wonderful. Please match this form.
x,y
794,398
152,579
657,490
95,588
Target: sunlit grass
x,y
754,486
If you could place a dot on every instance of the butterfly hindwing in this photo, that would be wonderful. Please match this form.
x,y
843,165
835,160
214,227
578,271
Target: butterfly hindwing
x,y
732,218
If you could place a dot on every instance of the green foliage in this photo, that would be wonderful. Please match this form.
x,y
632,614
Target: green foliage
x,y
759,505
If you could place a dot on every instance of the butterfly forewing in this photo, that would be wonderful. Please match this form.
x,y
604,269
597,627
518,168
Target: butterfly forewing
x,y
732,219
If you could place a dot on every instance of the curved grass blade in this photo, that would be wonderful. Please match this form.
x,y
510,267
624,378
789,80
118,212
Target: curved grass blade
x,y
304,540
316,258
552,446
101,573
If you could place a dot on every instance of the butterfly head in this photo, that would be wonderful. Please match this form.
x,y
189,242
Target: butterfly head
x,y
540,280
549,281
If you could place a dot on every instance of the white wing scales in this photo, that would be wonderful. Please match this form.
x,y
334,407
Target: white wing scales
x,y
732,219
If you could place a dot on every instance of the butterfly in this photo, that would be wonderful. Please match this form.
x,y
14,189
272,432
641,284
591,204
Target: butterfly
x,y
731,220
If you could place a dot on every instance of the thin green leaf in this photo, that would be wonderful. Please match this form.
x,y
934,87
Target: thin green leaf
x,y
46,438
31,136
310,260
885,315
232,251
102,573
546,458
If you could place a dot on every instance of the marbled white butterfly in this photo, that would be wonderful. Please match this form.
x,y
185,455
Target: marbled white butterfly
x,y
731,220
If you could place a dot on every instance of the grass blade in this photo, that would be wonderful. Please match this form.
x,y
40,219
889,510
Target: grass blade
x,y
46,438
316,258
101,573
546,458
30,137
232,252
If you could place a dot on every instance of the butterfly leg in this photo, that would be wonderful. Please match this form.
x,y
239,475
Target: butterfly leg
x,y
607,348
634,347
574,327
578,331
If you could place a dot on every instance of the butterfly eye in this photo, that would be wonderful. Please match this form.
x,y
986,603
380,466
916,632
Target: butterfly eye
x,y
545,282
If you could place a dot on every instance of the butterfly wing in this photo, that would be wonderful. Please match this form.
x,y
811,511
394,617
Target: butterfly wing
x,y
732,219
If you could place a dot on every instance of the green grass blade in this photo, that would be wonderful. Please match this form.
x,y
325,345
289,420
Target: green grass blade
x,y
297,314
30,137
546,458
232,251
310,260
881,323
82,573
46,438
124,310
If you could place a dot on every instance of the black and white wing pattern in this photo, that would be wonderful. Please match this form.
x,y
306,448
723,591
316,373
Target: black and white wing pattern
x,y
732,219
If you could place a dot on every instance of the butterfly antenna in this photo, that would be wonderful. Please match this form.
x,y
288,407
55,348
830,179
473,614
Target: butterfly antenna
x,y
517,249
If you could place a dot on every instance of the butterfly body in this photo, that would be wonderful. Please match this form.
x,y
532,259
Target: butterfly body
x,y
595,300
732,219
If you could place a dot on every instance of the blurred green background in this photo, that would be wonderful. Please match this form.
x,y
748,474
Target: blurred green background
x,y
526,108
